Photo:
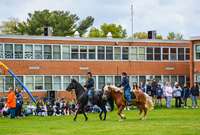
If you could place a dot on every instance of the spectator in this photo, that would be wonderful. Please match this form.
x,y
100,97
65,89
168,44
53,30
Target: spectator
x,y
72,108
185,94
195,94
39,103
96,109
150,91
41,110
31,109
154,86
177,94
2,105
161,84
46,108
57,107
159,93
142,87
5,111
23,111
67,107
63,107
169,95
11,103
135,87
164,90
19,101
50,110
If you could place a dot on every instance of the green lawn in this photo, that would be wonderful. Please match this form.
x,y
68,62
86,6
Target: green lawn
x,y
159,121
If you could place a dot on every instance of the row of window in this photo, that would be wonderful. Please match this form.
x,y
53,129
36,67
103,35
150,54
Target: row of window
x,y
74,52
36,82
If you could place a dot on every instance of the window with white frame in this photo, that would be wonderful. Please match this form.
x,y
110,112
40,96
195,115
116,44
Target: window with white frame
x,y
18,51
109,53
48,82
142,79
92,52
133,53
8,51
173,80
157,53
1,83
83,80
94,77
149,53
198,79
1,50
9,82
66,52
180,53
76,78
57,82
66,82
181,80
101,54
165,79
117,53
38,51
83,52
197,51
117,80
134,79
56,52
47,52
38,82
187,53
173,55
141,53
74,52
17,84
101,82
109,79
125,51
30,82
28,51
157,77
165,55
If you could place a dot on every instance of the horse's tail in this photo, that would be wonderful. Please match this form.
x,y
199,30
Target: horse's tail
x,y
149,103
111,102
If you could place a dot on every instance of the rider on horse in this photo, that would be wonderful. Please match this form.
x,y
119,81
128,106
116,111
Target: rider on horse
x,y
90,87
126,87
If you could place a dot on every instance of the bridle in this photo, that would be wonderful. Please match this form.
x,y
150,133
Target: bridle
x,y
108,93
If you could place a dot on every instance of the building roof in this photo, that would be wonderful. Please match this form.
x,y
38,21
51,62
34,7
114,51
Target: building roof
x,y
195,38
91,39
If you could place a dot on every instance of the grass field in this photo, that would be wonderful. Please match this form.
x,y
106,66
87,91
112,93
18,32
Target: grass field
x,y
159,121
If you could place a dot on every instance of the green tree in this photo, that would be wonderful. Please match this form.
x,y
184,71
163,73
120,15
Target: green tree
x,y
140,35
159,37
173,35
6,27
116,31
63,23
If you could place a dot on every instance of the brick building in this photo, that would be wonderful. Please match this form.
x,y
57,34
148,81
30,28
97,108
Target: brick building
x,y
45,63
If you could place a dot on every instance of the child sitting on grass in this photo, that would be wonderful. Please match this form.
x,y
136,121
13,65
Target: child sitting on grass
x,y
5,111
40,108
50,110
31,109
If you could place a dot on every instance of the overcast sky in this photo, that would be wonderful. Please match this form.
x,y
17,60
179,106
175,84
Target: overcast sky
x,y
161,15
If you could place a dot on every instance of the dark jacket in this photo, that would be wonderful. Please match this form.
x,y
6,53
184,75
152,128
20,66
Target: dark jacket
x,y
40,110
185,92
154,86
89,83
159,92
50,111
195,91
125,83
2,106
149,90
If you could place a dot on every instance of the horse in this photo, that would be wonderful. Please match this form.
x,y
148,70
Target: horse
x,y
82,97
117,95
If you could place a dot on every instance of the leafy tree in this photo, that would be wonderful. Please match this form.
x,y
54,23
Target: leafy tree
x,y
116,31
6,27
173,35
140,35
159,37
63,23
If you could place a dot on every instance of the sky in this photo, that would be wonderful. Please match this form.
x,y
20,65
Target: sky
x,y
164,16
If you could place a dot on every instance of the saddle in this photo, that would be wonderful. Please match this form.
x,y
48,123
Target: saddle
x,y
132,95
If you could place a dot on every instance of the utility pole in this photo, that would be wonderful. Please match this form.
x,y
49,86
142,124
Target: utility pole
x,y
132,19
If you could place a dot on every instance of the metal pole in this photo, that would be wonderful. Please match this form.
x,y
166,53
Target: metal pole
x,y
132,19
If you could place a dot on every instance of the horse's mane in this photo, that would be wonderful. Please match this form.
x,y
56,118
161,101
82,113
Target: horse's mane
x,y
116,89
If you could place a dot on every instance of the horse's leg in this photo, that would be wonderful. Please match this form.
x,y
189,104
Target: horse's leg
x,y
122,116
140,108
77,112
104,110
100,114
145,110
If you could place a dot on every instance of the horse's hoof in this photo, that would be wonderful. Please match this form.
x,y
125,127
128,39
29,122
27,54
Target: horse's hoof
x,y
144,119
121,119
100,118
86,119
74,120
140,118
125,117
103,120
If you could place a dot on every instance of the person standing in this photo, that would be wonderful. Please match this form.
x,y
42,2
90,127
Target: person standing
x,y
195,94
169,95
19,102
150,91
154,86
159,93
11,103
164,91
177,94
185,94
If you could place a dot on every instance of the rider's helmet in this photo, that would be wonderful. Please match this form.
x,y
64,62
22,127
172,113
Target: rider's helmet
x,y
89,73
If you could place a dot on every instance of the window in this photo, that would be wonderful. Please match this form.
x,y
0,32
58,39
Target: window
x,y
48,82
173,54
125,53
133,53
76,78
149,53
38,82
92,52
109,79
198,79
56,52
8,51
17,84
18,51
142,79
28,51
165,55
180,53
1,51
66,82
94,77
165,79
117,80
101,53
173,80
38,51
187,53
29,83
117,53
134,79
9,82
109,53
47,52
197,52
101,81
66,52
157,54
188,80
1,83
141,53
157,78
57,83
83,52
83,80
74,52
181,81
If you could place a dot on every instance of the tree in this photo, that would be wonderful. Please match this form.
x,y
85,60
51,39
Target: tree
x,y
116,31
143,35
173,35
63,23
6,27
159,37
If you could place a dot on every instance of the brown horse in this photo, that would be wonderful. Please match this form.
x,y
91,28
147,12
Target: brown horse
x,y
117,95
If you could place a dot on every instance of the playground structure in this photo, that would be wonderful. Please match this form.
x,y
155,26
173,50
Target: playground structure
x,y
1,64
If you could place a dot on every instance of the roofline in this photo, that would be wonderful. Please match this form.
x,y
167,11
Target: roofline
x,y
194,38
91,39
